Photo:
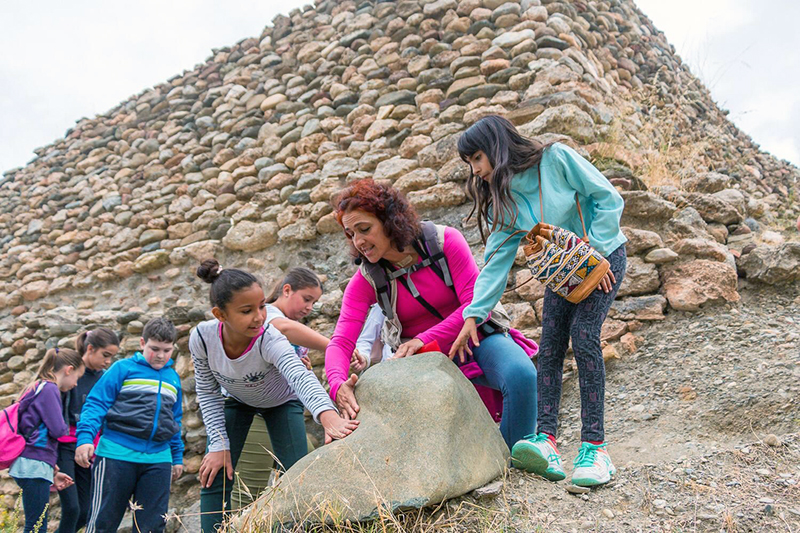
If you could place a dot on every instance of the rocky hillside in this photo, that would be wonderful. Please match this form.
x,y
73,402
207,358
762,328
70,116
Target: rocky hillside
x,y
239,156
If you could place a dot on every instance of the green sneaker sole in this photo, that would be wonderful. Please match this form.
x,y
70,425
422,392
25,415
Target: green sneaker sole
x,y
528,458
589,482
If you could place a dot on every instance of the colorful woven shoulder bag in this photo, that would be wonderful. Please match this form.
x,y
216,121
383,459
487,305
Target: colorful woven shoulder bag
x,y
559,259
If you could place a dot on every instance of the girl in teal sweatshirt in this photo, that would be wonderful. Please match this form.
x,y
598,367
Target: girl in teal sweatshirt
x,y
504,184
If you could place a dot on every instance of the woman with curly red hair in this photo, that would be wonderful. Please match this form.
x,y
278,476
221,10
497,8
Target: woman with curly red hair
x,y
423,276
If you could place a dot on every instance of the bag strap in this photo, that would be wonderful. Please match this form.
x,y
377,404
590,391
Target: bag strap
x,y
377,276
577,203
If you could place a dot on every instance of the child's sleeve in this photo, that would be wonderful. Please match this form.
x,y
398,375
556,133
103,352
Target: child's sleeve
x,y
100,399
276,350
371,331
209,395
493,278
48,406
176,444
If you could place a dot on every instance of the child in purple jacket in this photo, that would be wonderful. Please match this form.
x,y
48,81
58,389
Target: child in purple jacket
x,y
41,423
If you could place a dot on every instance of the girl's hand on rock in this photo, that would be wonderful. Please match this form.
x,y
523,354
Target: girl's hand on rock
x,y
335,426
408,348
469,332
346,398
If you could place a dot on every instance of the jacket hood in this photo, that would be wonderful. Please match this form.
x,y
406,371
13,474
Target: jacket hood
x,y
139,358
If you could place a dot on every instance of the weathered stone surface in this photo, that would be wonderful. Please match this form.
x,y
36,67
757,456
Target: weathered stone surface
x,y
568,119
702,249
707,182
424,436
416,180
249,236
443,195
639,308
640,240
392,169
660,256
34,290
772,264
647,206
640,278
151,261
689,286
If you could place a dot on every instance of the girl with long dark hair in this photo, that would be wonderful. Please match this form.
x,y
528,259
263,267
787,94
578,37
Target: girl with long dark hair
x,y
506,171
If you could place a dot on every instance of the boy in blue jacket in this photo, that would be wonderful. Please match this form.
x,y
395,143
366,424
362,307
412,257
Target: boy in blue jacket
x,y
137,404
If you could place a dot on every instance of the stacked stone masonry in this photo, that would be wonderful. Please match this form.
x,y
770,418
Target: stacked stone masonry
x,y
238,158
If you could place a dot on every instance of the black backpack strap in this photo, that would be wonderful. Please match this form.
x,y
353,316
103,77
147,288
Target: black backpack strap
x,y
434,252
381,283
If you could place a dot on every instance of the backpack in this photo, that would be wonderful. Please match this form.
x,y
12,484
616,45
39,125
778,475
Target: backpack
x,y
11,442
384,280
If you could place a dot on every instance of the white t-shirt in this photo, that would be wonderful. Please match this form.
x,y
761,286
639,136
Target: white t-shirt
x,y
268,374
273,313
371,334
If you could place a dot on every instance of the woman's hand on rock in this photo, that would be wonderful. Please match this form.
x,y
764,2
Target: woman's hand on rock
x,y
408,348
469,332
335,426
346,398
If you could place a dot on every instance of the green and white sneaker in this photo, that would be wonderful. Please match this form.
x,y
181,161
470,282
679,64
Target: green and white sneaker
x,y
593,466
538,455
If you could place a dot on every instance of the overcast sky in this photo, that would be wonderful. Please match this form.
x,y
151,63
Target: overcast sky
x,y
65,60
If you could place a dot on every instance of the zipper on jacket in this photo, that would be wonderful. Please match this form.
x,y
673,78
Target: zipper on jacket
x,y
158,412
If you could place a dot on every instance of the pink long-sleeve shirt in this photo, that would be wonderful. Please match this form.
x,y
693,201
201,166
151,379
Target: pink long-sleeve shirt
x,y
416,320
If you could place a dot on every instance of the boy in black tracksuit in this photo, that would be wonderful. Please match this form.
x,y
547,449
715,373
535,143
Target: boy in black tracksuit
x,y
137,403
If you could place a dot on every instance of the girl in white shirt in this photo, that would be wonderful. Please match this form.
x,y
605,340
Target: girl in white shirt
x,y
245,368
291,300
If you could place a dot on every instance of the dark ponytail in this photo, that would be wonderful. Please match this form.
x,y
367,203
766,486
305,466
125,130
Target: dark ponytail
x,y
96,338
224,282
297,278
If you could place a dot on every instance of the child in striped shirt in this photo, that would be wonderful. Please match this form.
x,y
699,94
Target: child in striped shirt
x,y
243,369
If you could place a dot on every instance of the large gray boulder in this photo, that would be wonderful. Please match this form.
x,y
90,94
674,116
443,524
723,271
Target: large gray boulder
x,y
772,264
425,436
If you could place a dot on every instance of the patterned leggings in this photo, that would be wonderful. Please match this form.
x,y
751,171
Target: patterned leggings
x,y
582,322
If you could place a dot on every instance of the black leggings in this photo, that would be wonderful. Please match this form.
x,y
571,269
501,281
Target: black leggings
x,y
582,322
74,499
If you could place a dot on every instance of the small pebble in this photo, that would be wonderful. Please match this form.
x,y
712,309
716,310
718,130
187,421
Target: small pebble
x,y
608,513
772,440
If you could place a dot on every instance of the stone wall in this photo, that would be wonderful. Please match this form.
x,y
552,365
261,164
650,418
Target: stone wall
x,y
238,157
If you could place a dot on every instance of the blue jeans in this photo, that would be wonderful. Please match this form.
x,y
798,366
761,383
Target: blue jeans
x,y
507,368
35,497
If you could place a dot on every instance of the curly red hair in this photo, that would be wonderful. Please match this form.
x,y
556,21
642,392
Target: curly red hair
x,y
399,218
